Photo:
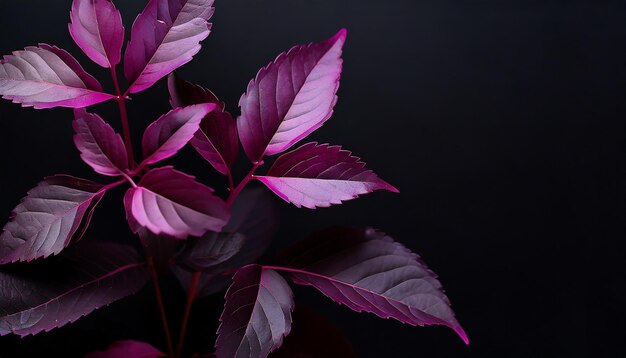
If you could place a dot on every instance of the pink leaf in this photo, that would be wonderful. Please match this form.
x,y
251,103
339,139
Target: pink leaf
x,y
257,314
47,219
368,271
96,27
49,294
99,145
46,77
165,36
319,175
216,141
171,202
168,134
128,349
290,98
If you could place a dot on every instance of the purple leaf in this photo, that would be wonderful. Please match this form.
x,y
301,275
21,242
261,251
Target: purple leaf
x,y
216,141
257,314
160,248
255,220
165,36
367,271
173,203
47,77
290,98
99,145
168,134
128,349
208,283
96,27
210,250
47,294
314,336
47,219
319,175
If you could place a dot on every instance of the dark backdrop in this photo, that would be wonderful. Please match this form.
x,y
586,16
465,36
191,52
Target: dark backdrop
x,y
501,122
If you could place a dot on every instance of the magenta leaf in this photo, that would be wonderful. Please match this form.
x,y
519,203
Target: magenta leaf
x,y
47,77
217,140
168,134
96,27
367,271
173,203
48,218
128,349
314,336
319,175
257,314
165,36
290,98
47,294
99,145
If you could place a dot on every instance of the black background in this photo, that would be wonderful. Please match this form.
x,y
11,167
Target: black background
x,y
501,122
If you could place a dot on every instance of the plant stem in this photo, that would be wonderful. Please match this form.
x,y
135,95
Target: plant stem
x,y
159,299
191,296
121,103
233,194
193,285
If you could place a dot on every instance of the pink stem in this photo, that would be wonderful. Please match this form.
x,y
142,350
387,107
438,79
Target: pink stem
x,y
121,103
233,194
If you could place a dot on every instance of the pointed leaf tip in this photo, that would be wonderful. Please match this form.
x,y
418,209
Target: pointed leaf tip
x,y
366,270
319,175
290,98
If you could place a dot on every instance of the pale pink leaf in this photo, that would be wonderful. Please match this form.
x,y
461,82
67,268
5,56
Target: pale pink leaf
x,y
257,314
165,36
47,77
290,98
48,218
367,270
96,27
173,203
99,145
172,131
319,175
217,140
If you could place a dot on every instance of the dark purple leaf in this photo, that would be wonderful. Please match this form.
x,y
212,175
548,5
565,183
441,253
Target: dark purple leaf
x,y
257,314
47,219
321,175
45,295
314,336
99,145
208,283
46,77
160,248
253,223
217,140
254,219
367,271
168,134
128,349
96,27
165,36
210,250
290,98
173,203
